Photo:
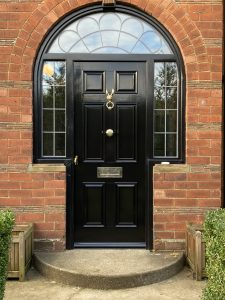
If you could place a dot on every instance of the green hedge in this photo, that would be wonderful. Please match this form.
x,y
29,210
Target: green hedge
x,y
214,236
6,226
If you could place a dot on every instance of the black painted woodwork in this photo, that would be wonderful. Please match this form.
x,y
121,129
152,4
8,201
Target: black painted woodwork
x,y
110,210
42,56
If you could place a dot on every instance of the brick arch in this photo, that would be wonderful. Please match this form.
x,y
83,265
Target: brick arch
x,y
167,12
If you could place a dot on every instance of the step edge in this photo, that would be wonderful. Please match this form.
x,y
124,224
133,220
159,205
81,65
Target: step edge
x,y
109,282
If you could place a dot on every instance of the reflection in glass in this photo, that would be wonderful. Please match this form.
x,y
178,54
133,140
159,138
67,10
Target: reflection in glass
x,y
159,121
133,26
110,37
159,98
109,21
47,96
140,48
48,120
102,32
171,98
126,42
159,74
53,108
86,26
60,97
171,120
93,41
171,145
159,145
68,39
171,74
60,144
152,41
47,144
53,73
166,107
60,120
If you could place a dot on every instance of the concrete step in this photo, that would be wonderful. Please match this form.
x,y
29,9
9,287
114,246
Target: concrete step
x,y
108,268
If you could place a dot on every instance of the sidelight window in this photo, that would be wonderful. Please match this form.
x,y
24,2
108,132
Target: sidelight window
x,y
53,109
166,109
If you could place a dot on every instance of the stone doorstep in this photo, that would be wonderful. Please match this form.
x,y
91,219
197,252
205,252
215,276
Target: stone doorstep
x,y
108,268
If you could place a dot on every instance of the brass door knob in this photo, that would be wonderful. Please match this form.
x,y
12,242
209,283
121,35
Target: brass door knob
x,y
109,132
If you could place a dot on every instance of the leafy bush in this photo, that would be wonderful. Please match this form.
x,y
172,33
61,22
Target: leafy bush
x,y
6,225
214,236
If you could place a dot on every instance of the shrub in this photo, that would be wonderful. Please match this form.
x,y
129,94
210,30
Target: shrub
x,y
6,225
214,236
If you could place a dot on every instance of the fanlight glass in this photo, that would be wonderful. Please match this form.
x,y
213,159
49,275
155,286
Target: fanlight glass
x,y
110,33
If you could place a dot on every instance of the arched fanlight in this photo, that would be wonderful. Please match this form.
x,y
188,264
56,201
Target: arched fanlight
x,y
110,33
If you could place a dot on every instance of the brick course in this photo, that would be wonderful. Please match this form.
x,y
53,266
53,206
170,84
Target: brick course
x,y
181,192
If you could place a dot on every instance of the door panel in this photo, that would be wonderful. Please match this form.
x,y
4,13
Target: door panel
x,y
94,147
110,202
126,204
126,82
127,132
94,204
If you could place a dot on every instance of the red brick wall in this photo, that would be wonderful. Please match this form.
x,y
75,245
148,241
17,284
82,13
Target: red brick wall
x,y
181,192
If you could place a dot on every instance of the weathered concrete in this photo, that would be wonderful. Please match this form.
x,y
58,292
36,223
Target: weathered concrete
x,y
179,287
108,268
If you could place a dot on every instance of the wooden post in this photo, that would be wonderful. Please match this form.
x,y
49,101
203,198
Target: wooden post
x,y
198,255
21,257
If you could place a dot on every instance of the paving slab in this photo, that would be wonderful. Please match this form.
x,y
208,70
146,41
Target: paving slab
x,y
36,287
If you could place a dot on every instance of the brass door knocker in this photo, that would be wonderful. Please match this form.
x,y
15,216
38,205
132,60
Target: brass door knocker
x,y
109,103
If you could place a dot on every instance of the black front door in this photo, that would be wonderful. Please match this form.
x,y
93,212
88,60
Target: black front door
x,y
109,182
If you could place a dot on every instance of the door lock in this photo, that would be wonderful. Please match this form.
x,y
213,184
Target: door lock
x,y
76,160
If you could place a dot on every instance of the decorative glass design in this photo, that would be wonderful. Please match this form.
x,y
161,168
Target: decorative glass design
x,y
110,33
53,109
166,110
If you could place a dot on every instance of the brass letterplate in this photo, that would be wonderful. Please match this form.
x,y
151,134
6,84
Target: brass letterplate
x,y
109,172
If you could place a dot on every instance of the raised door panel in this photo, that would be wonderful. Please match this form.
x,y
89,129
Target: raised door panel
x,y
127,132
126,82
126,204
93,82
93,124
94,204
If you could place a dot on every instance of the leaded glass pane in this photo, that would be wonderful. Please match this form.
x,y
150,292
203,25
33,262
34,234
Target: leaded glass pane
x,y
110,33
